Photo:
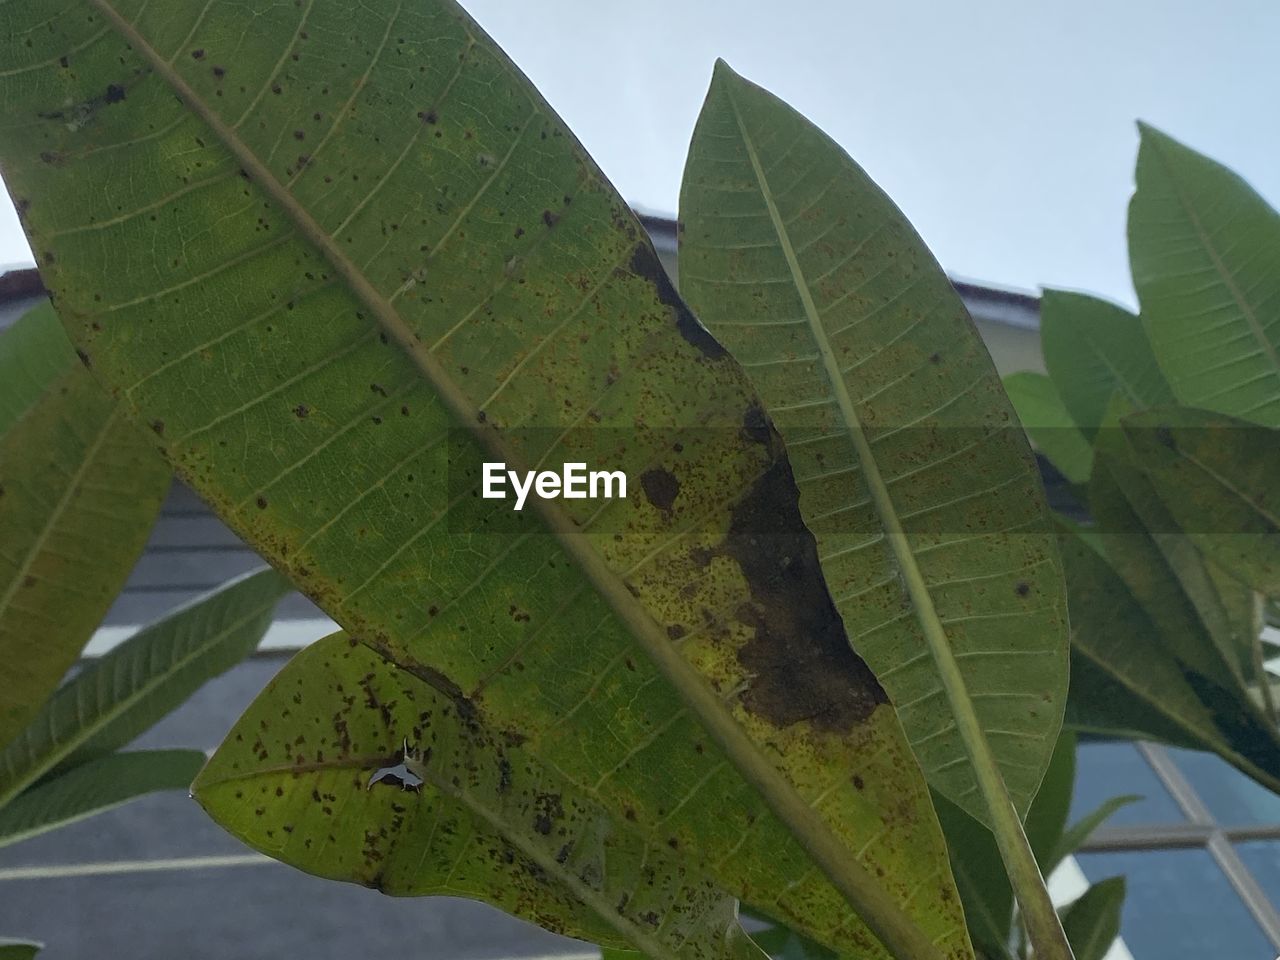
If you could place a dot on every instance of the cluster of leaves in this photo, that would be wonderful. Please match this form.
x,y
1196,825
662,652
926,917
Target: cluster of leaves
x,y
1165,423
80,486
354,258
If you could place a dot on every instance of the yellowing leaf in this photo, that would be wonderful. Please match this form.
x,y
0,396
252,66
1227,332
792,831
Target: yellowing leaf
x,y
379,260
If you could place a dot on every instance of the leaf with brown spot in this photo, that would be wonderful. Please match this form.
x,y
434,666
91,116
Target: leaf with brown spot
x,y
930,518
489,821
385,259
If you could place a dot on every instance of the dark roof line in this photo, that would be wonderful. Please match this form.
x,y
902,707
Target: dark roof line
x,y
19,284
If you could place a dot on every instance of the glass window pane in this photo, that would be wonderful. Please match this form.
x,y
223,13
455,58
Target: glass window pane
x,y
1262,857
1106,769
1179,906
1232,798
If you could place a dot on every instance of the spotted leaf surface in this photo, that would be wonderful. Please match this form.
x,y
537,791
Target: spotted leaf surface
x,y
913,474
488,820
337,263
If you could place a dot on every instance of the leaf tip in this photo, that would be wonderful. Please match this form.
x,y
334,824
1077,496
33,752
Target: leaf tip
x,y
722,72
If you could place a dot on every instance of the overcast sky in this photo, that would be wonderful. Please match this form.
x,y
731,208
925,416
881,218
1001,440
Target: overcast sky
x,y
1004,128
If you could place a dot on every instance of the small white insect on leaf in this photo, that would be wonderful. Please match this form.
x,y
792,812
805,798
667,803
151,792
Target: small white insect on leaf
x,y
410,772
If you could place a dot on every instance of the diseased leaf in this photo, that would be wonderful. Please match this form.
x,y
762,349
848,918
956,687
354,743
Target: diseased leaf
x,y
1049,425
119,695
1092,922
396,270
1218,477
1205,254
1094,349
922,492
79,489
927,507
94,787
489,820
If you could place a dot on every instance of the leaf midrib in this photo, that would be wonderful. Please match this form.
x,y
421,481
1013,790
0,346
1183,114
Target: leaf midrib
x,y
859,886
1002,816
606,911
1246,309
1155,703
1226,484
953,683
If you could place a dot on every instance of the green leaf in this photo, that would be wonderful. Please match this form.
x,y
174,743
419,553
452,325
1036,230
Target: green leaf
x,y
489,821
1047,817
975,858
1074,837
1126,681
19,949
1218,477
1092,922
928,509
1205,254
94,787
79,489
1158,564
121,694
1094,349
420,271
981,879
1050,427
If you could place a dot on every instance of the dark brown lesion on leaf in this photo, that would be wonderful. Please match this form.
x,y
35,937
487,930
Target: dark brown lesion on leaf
x,y
799,656
660,487
645,264
756,425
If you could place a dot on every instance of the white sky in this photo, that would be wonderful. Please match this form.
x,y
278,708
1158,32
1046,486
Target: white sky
x,y
1004,128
